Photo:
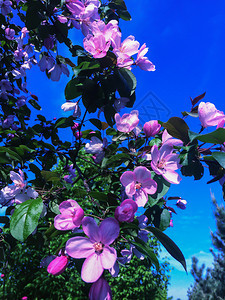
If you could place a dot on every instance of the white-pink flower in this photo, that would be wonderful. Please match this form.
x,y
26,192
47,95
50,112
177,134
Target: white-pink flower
x,y
127,122
139,184
143,62
70,217
98,45
209,115
99,255
165,162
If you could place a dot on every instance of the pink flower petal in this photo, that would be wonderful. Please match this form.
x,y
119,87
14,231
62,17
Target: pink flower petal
x,y
172,177
149,186
142,174
127,178
67,204
64,222
91,229
92,268
108,257
109,230
141,198
79,247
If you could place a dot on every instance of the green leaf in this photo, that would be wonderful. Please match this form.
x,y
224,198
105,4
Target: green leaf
x,y
50,176
128,82
147,251
178,128
115,160
99,196
220,157
97,123
73,89
170,246
35,104
162,187
215,137
164,220
25,218
33,15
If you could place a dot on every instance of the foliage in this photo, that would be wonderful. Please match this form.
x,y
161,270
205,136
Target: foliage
x,y
209,281
58,192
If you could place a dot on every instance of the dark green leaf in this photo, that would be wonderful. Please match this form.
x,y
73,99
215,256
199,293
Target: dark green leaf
x,y
25,218
178,128
73,89
170,246
220,157
34,104
164,220
147,251
215,137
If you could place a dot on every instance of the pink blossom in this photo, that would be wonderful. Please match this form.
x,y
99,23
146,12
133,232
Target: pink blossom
x,y
5,6
2,275
18,179
71,215
68,106
56,71
5,85
99,255
151,128
24,31
125,50
18,54
165,162
98,46
49,42
143,62
95,146
120,103
8,121
24,298
9,33
46,63
100,290
167,139
58,265
127,122
181,203
139,184
78,135
209,115
125,212
25,195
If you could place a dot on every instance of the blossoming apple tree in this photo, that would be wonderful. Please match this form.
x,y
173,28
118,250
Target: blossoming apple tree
x,y
104,224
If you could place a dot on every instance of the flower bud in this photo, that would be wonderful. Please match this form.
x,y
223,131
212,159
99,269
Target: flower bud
x,y
151,128
181,203
125,212
58,265
100,290
78,135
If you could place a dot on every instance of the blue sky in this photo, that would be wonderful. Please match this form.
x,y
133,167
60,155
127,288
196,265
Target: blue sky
x,y
186,43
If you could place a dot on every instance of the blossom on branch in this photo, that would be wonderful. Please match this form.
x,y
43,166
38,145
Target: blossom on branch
x,y
99,255
127,122
71,215
126,211
209,115
139,184
100,290
165,162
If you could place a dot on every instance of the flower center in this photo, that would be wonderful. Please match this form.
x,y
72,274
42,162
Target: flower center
x,y
98,247
138,185
161,164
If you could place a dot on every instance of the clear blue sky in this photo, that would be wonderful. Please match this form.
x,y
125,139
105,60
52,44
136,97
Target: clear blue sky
x,y
186,43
